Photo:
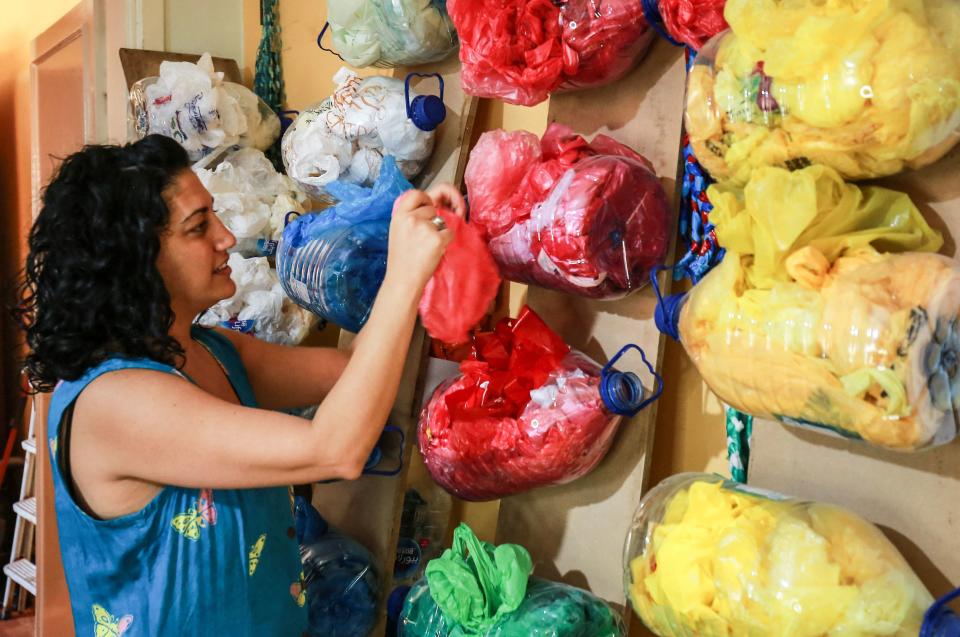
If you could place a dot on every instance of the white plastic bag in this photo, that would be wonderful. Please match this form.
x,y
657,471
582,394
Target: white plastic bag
x,y
259,305
251,198
192,104
346,135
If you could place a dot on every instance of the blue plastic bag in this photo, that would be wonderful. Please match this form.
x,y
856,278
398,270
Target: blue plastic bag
x,y
341,581
333,262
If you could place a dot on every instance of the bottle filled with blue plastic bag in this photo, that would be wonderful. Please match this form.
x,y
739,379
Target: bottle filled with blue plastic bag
x,y
333,262
341,584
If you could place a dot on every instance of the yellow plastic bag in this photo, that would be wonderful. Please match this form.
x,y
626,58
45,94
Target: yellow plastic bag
x,y
868,87
713,558
828,310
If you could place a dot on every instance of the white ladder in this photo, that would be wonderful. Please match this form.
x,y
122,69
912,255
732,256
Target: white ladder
x,y
21,572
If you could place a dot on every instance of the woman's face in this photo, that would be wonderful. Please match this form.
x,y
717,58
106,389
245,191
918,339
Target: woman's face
x,y
193,251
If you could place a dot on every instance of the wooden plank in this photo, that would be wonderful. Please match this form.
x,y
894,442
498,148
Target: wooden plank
x,y
914,497
369,509
575,532
139,63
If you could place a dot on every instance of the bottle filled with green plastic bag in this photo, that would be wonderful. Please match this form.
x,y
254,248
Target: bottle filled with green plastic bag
x,y
480,589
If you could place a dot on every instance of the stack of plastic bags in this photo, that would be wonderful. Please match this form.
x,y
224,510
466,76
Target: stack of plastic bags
x,y
346,136
259,306
521,52
868,87
341,584
192,104
389,33
819,316
251,199
714,558
478,589
525,411
587,218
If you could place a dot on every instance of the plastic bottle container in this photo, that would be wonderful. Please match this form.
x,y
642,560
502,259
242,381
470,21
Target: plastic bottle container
x,y
867,88
709,557
337,274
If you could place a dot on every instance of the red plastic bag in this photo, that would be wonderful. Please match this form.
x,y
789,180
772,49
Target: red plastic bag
x,y
587,218
521,51
692,22
525,412
464,285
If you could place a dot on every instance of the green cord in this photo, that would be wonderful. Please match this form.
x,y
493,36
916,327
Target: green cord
x,y
268,76
739,431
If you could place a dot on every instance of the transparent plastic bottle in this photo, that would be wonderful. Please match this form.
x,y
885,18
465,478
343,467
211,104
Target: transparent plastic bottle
x,y
709,557
867,88
337,274
871,351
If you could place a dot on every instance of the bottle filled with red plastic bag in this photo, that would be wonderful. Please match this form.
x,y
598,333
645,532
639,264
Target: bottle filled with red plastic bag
x,y
588,218
526,411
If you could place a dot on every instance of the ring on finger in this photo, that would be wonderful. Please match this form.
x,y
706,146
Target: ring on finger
x,y
439,223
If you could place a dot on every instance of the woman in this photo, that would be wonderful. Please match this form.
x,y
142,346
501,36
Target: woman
x,y
169,460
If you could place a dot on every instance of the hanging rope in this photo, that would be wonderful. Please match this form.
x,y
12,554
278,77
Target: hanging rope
x,y
696,231
268,76
739,431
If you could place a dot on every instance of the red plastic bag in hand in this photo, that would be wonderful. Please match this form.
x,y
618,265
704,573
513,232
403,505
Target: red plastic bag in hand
x,y
587,218
525,412
520,51
693,22
459,293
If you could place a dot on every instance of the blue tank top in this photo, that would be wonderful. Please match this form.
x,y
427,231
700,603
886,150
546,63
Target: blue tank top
x,y
192,561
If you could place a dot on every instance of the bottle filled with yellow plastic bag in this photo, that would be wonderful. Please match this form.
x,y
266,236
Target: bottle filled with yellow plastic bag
x,y
828,311
867,87
713,558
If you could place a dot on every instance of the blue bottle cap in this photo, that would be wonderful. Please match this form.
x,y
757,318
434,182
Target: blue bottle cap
x,y
426,111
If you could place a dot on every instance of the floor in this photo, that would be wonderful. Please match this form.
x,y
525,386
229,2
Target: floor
x,y
20,627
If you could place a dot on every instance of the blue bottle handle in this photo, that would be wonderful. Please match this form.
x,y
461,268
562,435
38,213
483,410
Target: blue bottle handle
x,y
326,25
373,471
417,110
622,392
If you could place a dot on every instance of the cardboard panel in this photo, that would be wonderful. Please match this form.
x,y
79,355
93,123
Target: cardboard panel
x,y
914,497
575,532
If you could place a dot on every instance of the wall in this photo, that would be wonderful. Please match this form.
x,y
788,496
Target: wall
x,y
22,21
187,27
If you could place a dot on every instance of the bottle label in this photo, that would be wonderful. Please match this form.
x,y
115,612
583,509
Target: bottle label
x,y
266,247
408,558
244,327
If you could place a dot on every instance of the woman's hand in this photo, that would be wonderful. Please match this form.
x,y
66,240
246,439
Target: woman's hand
x,y
416,244
447,196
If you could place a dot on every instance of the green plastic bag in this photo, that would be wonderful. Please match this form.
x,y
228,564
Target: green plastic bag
x,y
480,590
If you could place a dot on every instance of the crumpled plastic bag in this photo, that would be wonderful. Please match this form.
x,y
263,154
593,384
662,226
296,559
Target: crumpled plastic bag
x,y
259,306
483,590
388,33
710,557
587,218
193,105
463,286
251,198
867,87
813,318
341,583
690,22
346,136
525,412
520,52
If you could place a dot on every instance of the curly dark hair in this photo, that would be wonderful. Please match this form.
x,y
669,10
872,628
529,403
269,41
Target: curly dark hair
x,y
90,288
